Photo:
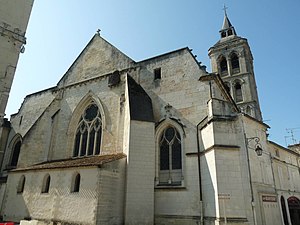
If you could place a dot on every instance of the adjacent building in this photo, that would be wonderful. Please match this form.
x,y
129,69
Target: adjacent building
x,y
14,16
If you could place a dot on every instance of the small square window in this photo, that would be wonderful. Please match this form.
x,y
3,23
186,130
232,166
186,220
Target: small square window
x,y
157,74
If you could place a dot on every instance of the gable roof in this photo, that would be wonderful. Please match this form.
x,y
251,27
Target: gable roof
x,y
97,58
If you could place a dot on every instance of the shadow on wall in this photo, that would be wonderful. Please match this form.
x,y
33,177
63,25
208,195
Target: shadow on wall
x,y
14,207
208,183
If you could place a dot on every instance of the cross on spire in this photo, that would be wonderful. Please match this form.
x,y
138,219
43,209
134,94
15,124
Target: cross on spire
x,y
225,9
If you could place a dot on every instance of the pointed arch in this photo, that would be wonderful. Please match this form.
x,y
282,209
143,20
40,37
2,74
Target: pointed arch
x,y
15,146
86,127
235,64
238,91
169,153
294,209
222,65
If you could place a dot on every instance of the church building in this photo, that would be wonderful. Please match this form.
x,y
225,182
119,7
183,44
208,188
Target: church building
x,y
159,141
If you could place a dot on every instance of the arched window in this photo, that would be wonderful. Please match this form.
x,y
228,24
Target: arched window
x,y
15,154
238,92
223,66
88,134
46,184
170,157
76,183
284,212
235,65
21,185
294,209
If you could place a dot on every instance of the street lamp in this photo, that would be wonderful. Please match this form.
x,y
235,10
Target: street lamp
x,y
258,148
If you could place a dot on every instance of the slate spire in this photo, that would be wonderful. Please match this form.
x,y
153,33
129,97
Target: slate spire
x,y
227,28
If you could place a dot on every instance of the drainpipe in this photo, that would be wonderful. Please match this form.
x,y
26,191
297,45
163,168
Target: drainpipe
x,y
250,177
199,173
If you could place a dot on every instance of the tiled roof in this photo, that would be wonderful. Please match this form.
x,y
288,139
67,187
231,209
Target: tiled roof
x,y
74,162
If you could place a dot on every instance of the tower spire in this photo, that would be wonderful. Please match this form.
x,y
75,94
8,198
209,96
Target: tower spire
x,y
227,28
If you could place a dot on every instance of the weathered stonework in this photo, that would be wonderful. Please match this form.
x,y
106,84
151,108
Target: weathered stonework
x,y
175,146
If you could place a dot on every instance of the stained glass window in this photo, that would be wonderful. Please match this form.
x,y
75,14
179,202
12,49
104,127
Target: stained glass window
x,y
88,134
170,157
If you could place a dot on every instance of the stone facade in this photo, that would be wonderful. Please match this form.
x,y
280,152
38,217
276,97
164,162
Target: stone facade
x,y
14,16
160,141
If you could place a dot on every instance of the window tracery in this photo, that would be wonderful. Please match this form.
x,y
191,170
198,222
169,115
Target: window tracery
x,y
88,134
170,157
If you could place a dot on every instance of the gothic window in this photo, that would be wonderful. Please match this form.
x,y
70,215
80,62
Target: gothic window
x,y
170,157
235,65
46,184
21,185
223,66
76,183
238,92
88,134
16,153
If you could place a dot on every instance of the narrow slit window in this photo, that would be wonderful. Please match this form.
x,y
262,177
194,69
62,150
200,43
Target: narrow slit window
x,y
21,185
157,74
46,184
76,183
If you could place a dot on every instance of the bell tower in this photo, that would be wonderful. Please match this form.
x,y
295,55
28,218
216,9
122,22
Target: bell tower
x,y
231,57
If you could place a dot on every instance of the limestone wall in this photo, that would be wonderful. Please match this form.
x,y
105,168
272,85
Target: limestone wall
x,y
14,16
100,196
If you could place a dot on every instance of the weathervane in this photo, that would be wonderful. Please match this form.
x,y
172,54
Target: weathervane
x,y
98,32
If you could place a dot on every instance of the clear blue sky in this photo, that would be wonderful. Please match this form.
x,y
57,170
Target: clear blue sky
x,y
59,30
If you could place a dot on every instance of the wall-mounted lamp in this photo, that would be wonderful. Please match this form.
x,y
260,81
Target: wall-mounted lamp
x,y
258,148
